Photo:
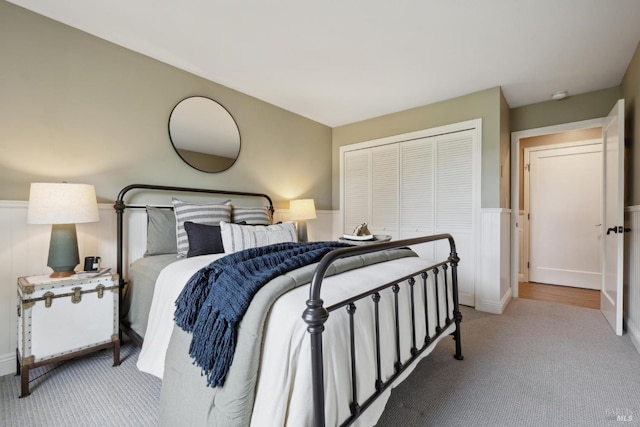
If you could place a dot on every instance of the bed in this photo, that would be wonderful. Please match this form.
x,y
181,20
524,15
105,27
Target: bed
x,y
322,344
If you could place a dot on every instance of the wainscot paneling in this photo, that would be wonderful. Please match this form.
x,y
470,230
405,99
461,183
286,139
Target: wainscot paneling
x,y
632,275
493,291
522,259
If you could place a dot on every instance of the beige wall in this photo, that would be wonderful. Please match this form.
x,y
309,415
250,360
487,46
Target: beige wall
x,y
505,153
485,104
630,88
591,105
76,108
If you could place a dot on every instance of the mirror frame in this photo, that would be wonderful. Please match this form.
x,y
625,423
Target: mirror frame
x,y
176,144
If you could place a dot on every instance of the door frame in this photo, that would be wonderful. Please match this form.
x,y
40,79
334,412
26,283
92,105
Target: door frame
x,y
526,224
515,182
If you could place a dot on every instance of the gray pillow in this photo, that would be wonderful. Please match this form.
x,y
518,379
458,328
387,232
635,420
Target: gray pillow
x,y
251,216
161,232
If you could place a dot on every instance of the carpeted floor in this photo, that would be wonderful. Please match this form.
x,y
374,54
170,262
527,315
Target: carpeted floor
x,y
87,391
538,364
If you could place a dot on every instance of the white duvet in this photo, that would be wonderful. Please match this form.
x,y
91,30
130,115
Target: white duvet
x,y
169,284
283,394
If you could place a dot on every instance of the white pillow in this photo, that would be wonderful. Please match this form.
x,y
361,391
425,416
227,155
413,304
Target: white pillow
x,y
210,214
236,237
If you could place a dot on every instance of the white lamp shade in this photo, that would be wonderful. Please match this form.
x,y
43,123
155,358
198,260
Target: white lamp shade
x,y
302,209
62,203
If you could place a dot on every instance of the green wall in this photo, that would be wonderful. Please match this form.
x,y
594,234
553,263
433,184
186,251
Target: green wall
x,y
631,92
485,104
591,105
76,108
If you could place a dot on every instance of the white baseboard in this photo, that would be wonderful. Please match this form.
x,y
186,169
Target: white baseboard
x,y
494,307
7,364
634,334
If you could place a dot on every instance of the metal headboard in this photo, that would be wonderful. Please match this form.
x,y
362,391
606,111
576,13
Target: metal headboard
x,y
120,207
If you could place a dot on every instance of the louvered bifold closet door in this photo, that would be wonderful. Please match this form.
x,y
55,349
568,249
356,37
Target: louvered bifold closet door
x,y
384,190
454,203
417,195
356,188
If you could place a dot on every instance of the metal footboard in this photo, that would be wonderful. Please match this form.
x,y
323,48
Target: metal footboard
x,y
444,278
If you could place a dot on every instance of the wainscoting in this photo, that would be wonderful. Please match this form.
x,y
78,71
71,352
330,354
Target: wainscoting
x,y
493,290
632,274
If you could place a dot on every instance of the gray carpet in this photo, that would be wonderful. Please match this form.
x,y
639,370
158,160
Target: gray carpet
x,y
539,364
87,391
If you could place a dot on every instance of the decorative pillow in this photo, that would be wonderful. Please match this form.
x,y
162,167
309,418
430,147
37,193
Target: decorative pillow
x,y
203,239
237,237
210,214
161,231
251,216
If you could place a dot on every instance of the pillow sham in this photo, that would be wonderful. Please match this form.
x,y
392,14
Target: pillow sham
x,y
237,237
251,216
161,231
209,214
203,239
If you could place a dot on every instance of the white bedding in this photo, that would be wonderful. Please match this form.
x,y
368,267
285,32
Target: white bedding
x,y
169,284
283,393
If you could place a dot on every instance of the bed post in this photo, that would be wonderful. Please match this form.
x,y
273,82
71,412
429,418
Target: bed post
x,y
119,206
315,316
457,316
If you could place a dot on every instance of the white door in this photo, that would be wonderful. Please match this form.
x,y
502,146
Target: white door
x,y
564,211
613,217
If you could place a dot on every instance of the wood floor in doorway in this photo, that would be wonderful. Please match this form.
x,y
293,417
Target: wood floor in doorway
x,y
580,297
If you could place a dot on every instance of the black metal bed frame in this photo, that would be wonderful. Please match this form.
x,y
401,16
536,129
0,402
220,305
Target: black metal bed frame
x,y
316,314
120,207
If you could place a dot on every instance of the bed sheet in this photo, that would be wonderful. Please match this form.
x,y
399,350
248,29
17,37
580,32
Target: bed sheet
x,y
141,283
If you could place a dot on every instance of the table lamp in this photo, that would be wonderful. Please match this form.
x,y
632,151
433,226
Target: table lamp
x,y
301,210
63,206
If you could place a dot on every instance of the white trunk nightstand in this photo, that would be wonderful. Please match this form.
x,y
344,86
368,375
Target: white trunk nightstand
x,y
62,318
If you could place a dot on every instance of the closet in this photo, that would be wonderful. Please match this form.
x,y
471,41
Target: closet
x,y
413,185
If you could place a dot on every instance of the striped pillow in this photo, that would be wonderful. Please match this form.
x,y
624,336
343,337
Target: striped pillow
x,y
251,216
210,214
236,237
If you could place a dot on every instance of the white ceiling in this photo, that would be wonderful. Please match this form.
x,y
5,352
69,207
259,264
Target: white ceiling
x,y
341,61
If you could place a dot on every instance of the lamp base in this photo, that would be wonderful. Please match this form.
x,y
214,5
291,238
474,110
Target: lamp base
x,y
63,250
302,230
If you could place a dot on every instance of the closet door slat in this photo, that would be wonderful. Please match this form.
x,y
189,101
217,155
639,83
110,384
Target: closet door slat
x,y
356,189
454,181
384,189
417,184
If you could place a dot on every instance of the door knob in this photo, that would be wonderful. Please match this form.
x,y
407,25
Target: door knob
x,y
618,229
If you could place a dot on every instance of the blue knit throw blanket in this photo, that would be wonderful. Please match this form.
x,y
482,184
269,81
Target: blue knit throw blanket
x,y
215,299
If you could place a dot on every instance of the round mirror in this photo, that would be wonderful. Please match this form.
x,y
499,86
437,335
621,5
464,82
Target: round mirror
x,y
204,134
